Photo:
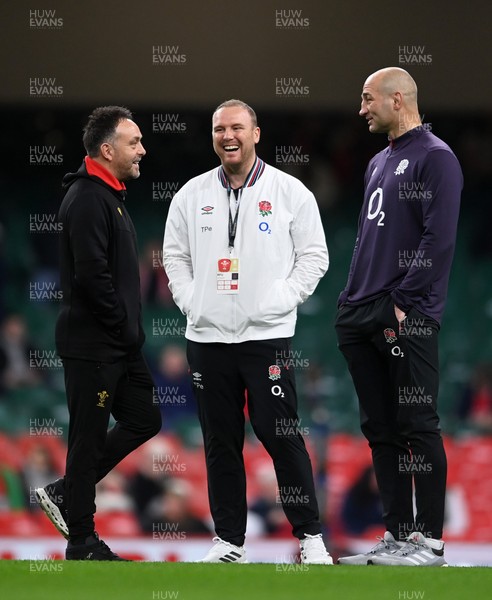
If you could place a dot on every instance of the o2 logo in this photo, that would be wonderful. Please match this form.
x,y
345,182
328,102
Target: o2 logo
x,y
277,391
375,205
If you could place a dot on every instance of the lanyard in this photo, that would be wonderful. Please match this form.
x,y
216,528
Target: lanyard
x,y
247,183
233,222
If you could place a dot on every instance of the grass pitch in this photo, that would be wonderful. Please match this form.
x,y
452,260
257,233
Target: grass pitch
x,y
77,580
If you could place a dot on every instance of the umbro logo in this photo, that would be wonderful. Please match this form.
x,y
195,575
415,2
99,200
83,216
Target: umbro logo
x,y
197,380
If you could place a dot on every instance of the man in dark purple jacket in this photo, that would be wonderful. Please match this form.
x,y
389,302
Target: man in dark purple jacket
x,y
390,312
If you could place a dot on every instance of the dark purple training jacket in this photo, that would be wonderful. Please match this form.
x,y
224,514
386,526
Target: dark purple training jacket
x,y
407,225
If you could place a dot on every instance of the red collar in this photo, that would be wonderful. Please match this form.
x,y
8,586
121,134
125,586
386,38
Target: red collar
x,y
97,170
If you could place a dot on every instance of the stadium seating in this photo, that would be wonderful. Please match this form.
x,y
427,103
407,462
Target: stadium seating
x,y
470,473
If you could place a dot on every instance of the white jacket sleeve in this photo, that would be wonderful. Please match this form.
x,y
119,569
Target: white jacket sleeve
x,y
311,253
177,255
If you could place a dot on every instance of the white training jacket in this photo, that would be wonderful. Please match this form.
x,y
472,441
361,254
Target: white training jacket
x,y
282,255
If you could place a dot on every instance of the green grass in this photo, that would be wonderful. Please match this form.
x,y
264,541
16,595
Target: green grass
x,y
60,580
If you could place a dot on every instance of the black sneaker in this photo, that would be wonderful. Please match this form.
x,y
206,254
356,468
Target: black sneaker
x,y
51,499
93,549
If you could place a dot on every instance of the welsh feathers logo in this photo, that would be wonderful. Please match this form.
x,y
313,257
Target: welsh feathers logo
x,y
265,208
400,169
103,396
274,372
224,265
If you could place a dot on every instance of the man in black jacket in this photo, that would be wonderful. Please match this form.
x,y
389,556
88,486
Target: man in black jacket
x,y
99,332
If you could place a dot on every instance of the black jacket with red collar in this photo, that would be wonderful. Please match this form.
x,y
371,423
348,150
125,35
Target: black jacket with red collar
x,y
100,318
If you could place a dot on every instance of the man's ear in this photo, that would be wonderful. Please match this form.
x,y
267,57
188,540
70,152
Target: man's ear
x,y
106,150
397,100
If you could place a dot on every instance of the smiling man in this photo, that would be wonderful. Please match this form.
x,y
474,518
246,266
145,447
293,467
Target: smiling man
x,y
243,247
99,332
389,317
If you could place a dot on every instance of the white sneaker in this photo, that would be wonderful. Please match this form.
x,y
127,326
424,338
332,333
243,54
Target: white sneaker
x,y
386,545
313,551
225,552
56,513
419,551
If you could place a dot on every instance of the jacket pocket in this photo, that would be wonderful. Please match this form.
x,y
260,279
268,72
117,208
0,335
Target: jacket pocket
x,y
276,303
185,299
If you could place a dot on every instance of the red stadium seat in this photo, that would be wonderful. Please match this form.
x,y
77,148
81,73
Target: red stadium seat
x,y
19,524
116,524
9,453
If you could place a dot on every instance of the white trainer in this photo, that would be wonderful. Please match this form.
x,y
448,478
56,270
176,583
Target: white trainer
x,y
52,510
225,552
313,551
419,551
385,545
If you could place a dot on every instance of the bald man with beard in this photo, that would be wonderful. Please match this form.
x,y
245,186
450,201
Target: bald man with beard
x,y
389,316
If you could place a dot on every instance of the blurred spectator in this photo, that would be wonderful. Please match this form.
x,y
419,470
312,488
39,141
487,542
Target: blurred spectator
x,y
111,494
475,406
267,503
153,279
170,513
361,508
11,490
316,389
173,388
15,352
149,481
39,470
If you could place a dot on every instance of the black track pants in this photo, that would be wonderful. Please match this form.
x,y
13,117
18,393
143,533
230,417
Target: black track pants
x,y
94,391
221,373
395,372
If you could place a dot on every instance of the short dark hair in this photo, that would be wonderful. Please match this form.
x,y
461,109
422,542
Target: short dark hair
x,y
241,104
101,127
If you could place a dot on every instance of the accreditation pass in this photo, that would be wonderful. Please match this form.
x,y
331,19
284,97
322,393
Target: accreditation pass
x,y
228,276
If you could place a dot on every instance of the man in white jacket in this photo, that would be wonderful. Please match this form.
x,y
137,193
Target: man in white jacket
x,y
243,247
